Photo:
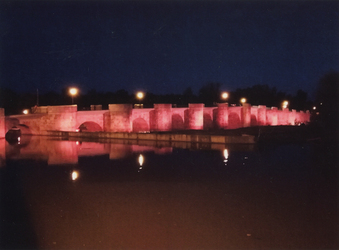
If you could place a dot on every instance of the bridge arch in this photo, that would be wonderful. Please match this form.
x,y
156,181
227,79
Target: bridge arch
x,y
140,125
177,122
89,126
234,121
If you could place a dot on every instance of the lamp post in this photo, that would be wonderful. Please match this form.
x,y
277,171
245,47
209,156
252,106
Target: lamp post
x,y
140,95
73,92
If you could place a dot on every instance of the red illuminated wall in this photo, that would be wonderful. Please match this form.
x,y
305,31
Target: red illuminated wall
x,y
2,123
120,118
196,116
123,118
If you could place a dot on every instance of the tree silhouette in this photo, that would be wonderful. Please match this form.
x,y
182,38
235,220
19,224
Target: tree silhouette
x,y
209,93
327,99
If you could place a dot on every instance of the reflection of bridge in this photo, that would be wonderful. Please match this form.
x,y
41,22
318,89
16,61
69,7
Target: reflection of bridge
x,y
67,152
123,118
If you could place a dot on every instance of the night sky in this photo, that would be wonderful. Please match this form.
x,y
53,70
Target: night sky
x,y
166,46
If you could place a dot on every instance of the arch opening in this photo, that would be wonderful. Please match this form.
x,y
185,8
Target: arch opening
x,y
140,125
90,127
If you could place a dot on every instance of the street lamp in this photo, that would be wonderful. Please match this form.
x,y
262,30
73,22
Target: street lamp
x,y
73,92
243,100
284,104
224,95
140,95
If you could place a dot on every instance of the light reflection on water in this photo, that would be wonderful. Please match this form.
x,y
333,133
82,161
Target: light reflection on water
x,y
72,194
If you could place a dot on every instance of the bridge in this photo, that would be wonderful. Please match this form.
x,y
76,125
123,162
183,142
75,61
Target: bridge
x,y
162,117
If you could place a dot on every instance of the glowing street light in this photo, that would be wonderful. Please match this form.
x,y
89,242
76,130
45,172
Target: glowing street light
x,y
243,100
25,111
73,92
224,95
140,95
284,104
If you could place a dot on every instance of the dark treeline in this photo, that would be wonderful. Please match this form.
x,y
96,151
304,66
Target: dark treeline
x,y
209,94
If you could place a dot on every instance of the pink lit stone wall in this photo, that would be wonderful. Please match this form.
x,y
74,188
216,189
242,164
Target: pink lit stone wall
x,y
178,118
120,116
272,116
261,115
162,117
96,116
246,115
222,116
209,115
123,118
234,117
196,116
2,123
141,120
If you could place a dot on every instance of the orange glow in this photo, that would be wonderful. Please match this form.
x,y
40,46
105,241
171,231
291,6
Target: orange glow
x,y
314,108
243,100
25,111
140,95
224,95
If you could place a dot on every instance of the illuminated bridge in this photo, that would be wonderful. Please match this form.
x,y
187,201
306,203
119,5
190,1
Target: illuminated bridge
x,y
163,117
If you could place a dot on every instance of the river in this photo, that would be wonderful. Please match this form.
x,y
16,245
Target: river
x,y
60,194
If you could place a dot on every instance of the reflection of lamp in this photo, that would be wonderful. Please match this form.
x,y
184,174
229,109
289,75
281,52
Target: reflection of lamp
x,y
224,95
226,155
74,175
73,92
141,161
243,100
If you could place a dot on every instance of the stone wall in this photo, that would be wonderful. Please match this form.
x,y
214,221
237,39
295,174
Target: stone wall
x,y
123,118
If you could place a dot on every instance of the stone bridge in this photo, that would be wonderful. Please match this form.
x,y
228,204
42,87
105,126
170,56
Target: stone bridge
x,y
163,117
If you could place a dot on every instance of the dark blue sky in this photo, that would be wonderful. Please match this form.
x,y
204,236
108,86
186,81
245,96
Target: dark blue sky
x,y
167,46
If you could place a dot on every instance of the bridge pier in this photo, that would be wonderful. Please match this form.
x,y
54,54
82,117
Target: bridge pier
x,y
222,115
246,115
261,118
162,119
119,118
196,116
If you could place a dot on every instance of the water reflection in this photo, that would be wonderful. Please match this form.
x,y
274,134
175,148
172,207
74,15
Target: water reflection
x,y
226,156
182,199
56,151
74,175
141,161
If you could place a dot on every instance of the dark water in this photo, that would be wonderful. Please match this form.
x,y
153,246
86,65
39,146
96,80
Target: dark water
x,y
73,195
